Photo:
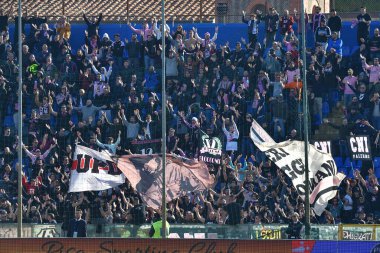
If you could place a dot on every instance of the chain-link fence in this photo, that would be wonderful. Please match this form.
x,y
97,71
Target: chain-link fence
x,y
220,11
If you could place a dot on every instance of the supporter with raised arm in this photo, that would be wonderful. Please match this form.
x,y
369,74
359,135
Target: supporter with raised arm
x,y
144,32
63,27
253,26
38,155
374,73
111,146
207,41
92,25
286,24
232,135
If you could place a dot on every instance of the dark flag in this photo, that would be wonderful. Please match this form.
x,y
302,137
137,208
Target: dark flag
x,y
360,147
144,172
146,147
210,149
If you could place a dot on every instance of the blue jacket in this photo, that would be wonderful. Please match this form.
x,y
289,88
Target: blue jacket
x,y
336,44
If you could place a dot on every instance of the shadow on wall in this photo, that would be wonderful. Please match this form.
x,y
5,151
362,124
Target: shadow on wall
x,y
227,32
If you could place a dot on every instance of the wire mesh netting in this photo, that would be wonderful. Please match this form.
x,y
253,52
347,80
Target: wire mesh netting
x,y
105,93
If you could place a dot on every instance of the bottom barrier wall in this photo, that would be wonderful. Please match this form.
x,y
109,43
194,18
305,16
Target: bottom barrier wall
x,y
99,245
119,245
311,246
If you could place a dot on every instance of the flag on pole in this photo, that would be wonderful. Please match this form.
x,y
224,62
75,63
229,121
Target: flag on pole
x,y
144,172
289,156
93,171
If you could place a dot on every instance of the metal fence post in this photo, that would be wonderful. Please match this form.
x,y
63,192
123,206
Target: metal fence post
x,y
63,7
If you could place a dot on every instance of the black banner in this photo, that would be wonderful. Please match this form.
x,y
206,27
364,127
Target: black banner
x,y
324,146
360,147
210,149
146,147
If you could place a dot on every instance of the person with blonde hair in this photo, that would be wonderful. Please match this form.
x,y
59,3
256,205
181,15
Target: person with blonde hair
x,y
63,27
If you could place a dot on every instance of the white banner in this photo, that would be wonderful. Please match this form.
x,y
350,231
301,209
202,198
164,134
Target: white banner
x,y
259,135
323,177
93,171
324,146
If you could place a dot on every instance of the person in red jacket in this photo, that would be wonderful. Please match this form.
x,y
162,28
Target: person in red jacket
x,y
286,23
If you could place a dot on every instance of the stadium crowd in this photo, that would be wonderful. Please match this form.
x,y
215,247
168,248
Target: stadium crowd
x,y
107,93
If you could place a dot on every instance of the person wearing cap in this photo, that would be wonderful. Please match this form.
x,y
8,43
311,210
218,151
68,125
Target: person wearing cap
x,y
194,133
322,34
334,22
106,42
317,18
295,227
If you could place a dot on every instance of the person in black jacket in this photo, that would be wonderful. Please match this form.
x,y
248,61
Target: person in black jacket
x,y
364,21
272,21
77,226
133,49
334,22
295,227
117,50
253,27
92,25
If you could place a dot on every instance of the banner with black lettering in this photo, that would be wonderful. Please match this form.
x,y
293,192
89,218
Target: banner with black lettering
x,y
324,146
360,147
146,147
210,149
323,177
93,171
357,233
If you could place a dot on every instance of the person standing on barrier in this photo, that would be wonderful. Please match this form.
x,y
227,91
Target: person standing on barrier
x,y
295,227
77,226
253,27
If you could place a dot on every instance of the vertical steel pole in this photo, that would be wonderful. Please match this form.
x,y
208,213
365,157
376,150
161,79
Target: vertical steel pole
x,y
305,123
163,122
19,181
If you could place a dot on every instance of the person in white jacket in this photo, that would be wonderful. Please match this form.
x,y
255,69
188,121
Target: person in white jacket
x,y
232,135
105,74
110,146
